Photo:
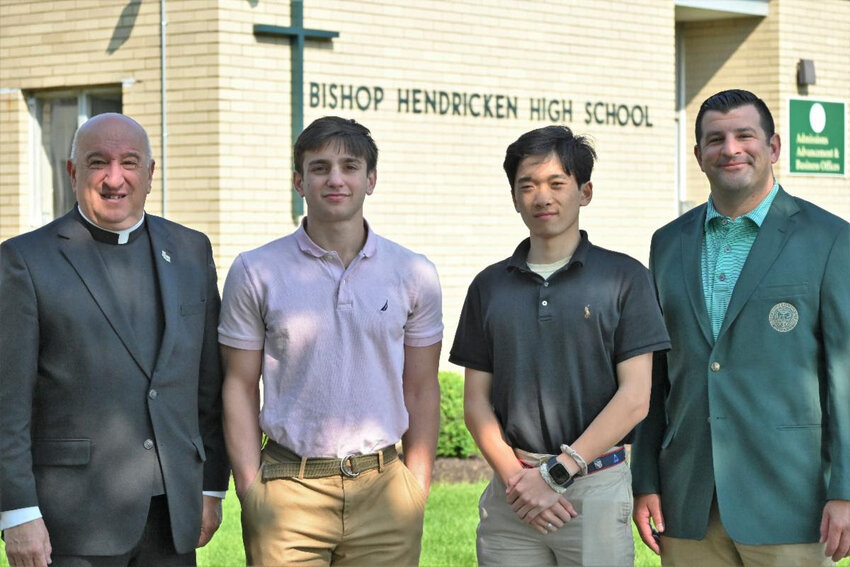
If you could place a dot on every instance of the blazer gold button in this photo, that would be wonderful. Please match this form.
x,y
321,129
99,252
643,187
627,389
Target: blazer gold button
x,y
715,366
152,394
148,444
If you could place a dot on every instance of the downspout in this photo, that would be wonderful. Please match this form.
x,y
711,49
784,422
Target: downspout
x,y
296,18
163,110
682,204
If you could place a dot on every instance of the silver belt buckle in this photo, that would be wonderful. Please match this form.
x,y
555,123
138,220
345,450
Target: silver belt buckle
x,y
346,468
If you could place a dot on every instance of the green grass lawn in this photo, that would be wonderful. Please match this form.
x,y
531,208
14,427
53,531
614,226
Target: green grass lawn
x,y
449,539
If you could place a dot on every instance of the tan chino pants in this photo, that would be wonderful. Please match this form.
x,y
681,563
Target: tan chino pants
x,y
374,519
717,549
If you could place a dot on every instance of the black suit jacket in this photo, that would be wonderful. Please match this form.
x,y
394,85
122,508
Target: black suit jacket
x,y
78,405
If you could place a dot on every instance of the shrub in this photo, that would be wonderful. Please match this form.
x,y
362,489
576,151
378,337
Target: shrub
x,y
454,439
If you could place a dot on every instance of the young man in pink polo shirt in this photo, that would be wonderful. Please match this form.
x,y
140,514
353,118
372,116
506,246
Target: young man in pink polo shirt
x,y
345,327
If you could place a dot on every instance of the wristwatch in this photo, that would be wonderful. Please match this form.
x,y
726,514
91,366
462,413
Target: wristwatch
x,y
556,474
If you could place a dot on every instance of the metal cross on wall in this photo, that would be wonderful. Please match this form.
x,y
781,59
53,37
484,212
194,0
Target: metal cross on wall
x,y
297,35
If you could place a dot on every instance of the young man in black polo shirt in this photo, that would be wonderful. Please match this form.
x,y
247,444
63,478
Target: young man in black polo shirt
x,y
557,342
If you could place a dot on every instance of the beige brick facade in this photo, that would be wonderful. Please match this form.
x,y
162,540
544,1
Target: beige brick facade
x,y
761,55
820,31
15,136
441,189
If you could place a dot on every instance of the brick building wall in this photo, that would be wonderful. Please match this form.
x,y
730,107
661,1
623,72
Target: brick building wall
x,y
820,31
761,55
441,188
606,69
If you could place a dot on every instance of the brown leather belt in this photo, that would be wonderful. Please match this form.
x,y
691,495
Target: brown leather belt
x,y
280,462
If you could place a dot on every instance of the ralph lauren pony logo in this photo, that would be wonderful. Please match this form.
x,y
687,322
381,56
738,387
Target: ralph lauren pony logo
x,y
386,305
166,256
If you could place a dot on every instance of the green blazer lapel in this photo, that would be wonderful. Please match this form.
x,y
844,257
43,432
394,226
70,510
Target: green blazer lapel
x,y
167,262
773,234
691,237
78,247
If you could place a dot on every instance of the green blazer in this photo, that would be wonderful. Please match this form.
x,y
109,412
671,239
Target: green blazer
x,y
762,414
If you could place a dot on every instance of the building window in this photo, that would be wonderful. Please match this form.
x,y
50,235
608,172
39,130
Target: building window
x,y
55,117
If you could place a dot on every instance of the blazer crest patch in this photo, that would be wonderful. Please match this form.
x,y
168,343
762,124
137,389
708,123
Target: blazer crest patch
x,y
783,317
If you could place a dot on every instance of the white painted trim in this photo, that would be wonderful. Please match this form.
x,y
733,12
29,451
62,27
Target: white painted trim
x,y
743,7
35,194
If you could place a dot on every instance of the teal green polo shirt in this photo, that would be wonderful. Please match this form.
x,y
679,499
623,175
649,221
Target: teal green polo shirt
x,y
725,248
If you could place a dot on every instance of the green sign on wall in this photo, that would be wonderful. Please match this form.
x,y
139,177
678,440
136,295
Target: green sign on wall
x,y
818,137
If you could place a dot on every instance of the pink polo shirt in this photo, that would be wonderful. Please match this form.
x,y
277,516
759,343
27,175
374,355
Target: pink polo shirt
x,y
332,338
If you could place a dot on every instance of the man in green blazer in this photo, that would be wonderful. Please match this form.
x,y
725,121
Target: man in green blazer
x,y
745,455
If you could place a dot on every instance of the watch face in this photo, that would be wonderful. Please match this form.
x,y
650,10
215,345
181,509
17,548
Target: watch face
x,y
558,471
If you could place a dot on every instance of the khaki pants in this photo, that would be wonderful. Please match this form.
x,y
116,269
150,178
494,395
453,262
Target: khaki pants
x,y
717,549
374,519
600,535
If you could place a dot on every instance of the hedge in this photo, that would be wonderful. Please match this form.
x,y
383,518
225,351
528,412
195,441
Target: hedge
x,y
454,440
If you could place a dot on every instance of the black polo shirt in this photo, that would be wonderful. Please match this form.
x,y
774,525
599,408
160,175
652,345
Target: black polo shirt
x,y
553,346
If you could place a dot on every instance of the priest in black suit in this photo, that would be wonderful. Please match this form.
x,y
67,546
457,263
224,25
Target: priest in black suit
x,y
111,448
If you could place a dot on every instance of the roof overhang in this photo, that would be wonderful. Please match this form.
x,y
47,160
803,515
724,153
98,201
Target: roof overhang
x,y
699,10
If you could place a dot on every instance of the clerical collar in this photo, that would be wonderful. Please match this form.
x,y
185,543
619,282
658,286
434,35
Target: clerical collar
x,y
112,236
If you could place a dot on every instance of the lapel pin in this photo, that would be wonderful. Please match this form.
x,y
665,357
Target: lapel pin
x,y
166,257
587,311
